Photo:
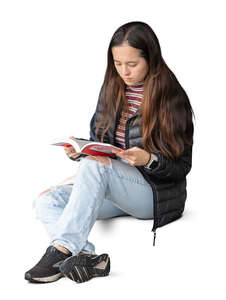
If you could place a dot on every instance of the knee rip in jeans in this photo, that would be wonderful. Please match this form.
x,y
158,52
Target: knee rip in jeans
x,y
41,205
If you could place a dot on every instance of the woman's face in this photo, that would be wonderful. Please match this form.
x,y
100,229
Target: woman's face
x,y
131,67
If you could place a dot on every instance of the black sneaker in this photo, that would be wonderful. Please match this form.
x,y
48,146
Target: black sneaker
x,y
47,269
81,268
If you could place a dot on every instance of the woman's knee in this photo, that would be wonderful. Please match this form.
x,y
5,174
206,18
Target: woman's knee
x,y
55,197
41,204
96,165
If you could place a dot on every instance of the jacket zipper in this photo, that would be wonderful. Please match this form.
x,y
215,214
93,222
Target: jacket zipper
x,y
152,185
155,225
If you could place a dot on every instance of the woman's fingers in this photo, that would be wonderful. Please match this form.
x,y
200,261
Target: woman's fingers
x,y
71,153
72,137
68,148
74,155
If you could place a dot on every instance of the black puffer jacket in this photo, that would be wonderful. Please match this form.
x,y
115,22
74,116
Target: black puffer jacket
x,y
167,179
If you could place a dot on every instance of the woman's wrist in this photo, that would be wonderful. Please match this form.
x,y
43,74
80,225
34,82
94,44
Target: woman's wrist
x,y
150,157
152,163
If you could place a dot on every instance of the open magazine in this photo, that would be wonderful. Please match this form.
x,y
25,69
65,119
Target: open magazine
x,y
87,147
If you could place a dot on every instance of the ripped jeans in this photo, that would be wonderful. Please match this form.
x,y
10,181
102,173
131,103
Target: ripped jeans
x,y
69,212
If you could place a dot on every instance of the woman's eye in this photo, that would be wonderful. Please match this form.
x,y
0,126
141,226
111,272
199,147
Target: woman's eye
x,y
118,65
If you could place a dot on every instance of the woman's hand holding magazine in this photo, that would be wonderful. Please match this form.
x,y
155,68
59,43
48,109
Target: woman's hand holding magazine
x,y
71,153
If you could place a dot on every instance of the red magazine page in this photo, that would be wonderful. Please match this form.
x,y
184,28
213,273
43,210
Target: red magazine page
x,y
100,150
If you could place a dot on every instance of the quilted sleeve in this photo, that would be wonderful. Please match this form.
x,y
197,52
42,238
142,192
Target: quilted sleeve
x,y
97,116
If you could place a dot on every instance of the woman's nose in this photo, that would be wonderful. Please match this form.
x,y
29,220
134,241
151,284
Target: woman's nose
x,y
125,71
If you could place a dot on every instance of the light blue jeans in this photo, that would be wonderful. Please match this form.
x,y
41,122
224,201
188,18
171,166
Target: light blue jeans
x,y
99,192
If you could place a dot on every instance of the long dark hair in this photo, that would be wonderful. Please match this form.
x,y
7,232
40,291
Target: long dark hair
x,y
165,112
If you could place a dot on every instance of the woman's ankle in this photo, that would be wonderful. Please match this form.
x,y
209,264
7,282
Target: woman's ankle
x,y
61,249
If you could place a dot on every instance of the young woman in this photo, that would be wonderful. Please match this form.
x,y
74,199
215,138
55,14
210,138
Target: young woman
x,y
143,109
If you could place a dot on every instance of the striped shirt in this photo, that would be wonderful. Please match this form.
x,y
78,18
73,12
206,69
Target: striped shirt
x,y
134,95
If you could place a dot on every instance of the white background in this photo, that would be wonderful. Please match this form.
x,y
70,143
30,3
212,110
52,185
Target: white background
x,y
53,57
